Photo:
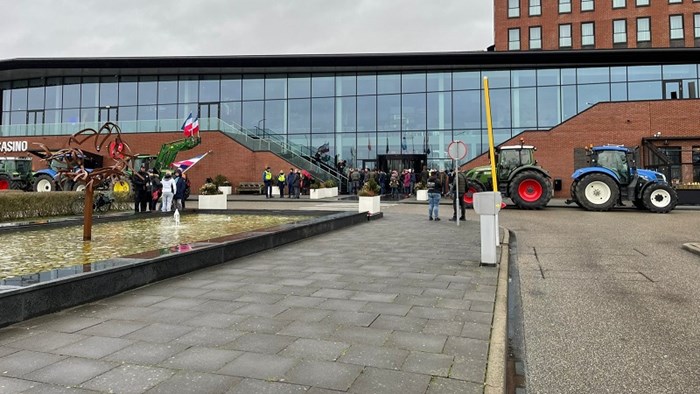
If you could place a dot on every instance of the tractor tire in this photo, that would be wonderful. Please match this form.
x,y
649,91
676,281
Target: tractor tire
x,y
472,187
5,182
597,192
660,198
572,192
44,183
530,190
122,186
78,186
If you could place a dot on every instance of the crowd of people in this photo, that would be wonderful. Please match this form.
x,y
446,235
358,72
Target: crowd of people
x,y
296,182
152,193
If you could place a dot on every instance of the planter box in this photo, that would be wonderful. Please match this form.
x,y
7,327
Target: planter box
x,y
275,191
225,189
315,194
688,196
422,195
213,201
332,191
369,204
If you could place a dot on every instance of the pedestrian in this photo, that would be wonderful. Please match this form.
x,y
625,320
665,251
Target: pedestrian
x,y
180,186
355,179
297,184
434,188
139,182
406,182
413,181
281,182
394,184
169,190
267,180
155,190
290,183
458,192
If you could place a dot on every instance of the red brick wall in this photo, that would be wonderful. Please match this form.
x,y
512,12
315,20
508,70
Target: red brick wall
x,y
602,16
624,123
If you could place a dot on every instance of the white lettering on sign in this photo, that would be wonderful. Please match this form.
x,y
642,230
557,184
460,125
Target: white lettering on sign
x,y
13,146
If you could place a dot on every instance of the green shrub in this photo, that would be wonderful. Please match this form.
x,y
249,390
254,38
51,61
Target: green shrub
x,y
209,189
221,180
26,205
316,185
330,183
370,189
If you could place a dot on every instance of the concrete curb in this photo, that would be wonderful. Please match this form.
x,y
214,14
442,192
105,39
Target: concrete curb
x,y
693,247
496,367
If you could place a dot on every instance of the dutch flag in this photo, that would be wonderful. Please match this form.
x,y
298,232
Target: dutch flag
x,y
187,127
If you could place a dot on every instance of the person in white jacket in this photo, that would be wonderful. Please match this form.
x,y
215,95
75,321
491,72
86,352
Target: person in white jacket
x,y
169,190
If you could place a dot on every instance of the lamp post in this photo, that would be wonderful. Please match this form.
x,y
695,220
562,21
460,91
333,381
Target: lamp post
x,y
263,130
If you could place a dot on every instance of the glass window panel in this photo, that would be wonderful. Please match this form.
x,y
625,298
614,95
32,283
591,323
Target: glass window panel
x,y
548,77
366,147
680,71
514,39
35,98
253,113
128,93
188,90
439,107
676,27
148,91
413,83
389,143
589,95
588,34
645,90
643,73
209,90
345,145
568,76
71,116
90,92
184,110
276,116
498,79
127,114
318,140
322,86
345,85
52,116
513,8
167,111
276,87
147,112
593,75
322,115
618,92
109,93
535,8
88,114
536,37
345,114
696,25
299,115
19,99
619,31
500,108
587,5
522,78
389,112
366,113
439,82
618,74
413,111
467,109
471,138
524,107
548,107
18,117
230,88
366,84
6,97
71,95
568,100
619,3
231,112
642,2
299,86
253,89
388,83
564,6
565,36
167,92
643,29
466,80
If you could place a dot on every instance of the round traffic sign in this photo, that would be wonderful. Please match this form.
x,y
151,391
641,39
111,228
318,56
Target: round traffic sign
x,y
457,150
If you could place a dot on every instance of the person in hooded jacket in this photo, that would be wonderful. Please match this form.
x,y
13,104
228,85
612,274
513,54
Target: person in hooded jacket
x,y
434,188
180,187
169,190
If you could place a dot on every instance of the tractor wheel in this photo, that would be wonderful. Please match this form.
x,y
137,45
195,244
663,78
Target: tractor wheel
x,y
78,206
660,198
44,183
572,192
78,186
472,187
121,186
5,182
530,190
597,192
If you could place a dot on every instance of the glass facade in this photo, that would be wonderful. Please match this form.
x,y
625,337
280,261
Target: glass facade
x,y
360,115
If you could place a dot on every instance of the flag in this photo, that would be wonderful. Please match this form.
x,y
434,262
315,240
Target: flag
x,y
184,165
187,126
195,127
369,144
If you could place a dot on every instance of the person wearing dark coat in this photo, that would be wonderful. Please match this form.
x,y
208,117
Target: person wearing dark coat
x,y
290,183
180,186
139,182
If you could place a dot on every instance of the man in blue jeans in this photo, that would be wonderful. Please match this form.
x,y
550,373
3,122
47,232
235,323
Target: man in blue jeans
x,y
434,188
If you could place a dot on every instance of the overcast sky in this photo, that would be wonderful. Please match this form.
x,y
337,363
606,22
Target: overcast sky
x,y
116,28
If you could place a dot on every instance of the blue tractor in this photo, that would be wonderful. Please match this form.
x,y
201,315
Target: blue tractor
x,y
613,177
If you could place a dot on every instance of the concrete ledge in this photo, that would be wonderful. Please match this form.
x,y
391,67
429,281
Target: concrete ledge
x,y
19,304
495,381
693,247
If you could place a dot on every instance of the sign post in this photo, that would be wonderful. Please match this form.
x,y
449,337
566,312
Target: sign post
x,y
457,150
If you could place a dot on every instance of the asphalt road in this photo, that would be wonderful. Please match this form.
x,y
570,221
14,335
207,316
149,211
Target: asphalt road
x,y
610,300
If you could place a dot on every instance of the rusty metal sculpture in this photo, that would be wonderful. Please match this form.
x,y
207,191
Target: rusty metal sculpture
x,y
108,136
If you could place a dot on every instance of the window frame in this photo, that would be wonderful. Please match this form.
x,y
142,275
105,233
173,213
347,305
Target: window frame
x,y
619,4
639,3
530,37
515,29
648,19
585,3
515,10
616,34
570,37
592,45
563,3
534,8
671,29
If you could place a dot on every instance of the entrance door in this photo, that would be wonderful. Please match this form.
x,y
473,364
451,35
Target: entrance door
x,y
673,89
107,114
401,162
209,116
370,164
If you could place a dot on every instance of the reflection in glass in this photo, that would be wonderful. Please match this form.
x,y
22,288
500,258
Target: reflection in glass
x,y
548,106
643,73
127,93
231,112
253,114
345,114
253,88
498,79
109,93
466,80
276,87
548,77
299,116
439,82
618,92
230,87
167,92
593,75
439,111
299,86
322,111
524,102
388,83
209,90
589,95
679,71
19,99
322,85
522,78
366,113
413,111
645,90
276,116
366,84
148,91
90,93
35,98
413,83
467,109
389,112
345,85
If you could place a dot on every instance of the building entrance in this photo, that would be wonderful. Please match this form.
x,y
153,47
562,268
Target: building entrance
x,y
401,162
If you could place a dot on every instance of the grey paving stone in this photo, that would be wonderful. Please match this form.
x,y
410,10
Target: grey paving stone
x,y
159,333
262,310
46,341
403,289
25,361
385,308
363,319
417,341
134,299
4,351
323,276
399,323
137,313
313,349
452,303
467,347
374,356
261,343
334,293
260,298
476,331
417,300
324,374
128,379
474,317
219,306
468,369
482,306
259,366
215,320
207,336
13,385
444,293
70,371
443,327
361,335
43,388
146,353
318,390
297,291
295,282
262,387
201,359
454,278
374,297
259,287
222,295
385,381
189,281
328,285
432,313
113,328
185,382
300,301
264,325
417,276
172,291
170,316
452,386
428,363
303,314
63,323
179,303
309,330
342,305
367,287
487,296
94,347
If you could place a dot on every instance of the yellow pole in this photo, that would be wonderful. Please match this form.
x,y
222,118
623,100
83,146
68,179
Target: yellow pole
x,y
489,125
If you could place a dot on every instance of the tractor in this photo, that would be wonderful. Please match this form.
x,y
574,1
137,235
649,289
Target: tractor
x,y
613,177
528,185
16,173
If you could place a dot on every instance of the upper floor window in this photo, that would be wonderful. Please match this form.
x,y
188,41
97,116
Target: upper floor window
x,y
642,3
565,36
587,5
513,39
619,4
619,32
536,37
588,34
674,1
564,6
535,7
644,29
513,8
676,27
696,30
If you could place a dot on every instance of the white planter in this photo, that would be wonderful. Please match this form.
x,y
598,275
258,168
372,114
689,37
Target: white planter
x,y
225,189
213,201
422,195
275,191
369,204
315,194
332,191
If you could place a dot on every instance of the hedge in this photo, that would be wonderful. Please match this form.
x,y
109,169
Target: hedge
x,y
24,205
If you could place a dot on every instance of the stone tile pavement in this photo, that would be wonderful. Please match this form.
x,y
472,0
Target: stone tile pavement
x,y
397,305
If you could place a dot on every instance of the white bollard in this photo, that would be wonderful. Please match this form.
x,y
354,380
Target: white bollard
x,y
487,205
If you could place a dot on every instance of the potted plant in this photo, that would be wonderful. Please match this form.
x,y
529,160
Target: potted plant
x,y
421,192
316,190
331,188
223,184
210,197
369,197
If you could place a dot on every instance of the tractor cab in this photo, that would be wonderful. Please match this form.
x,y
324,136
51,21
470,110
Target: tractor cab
x,y
15,173
617,159
511,158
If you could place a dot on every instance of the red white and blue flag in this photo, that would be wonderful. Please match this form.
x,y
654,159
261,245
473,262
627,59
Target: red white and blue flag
x,y
195,127
187,127
184,165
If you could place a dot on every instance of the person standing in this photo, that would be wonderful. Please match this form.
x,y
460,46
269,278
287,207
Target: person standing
x,y
180,186
267,179
281,183
155,190
297,184
140,184
169,190
458,192
290,183
434,188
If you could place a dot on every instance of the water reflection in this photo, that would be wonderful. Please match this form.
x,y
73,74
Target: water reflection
x,y
31,252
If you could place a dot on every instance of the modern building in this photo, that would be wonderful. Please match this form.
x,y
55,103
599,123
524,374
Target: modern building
x,y
529,25
386,110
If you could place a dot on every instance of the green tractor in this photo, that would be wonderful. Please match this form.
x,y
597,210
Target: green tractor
x,y
16,173
528,185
